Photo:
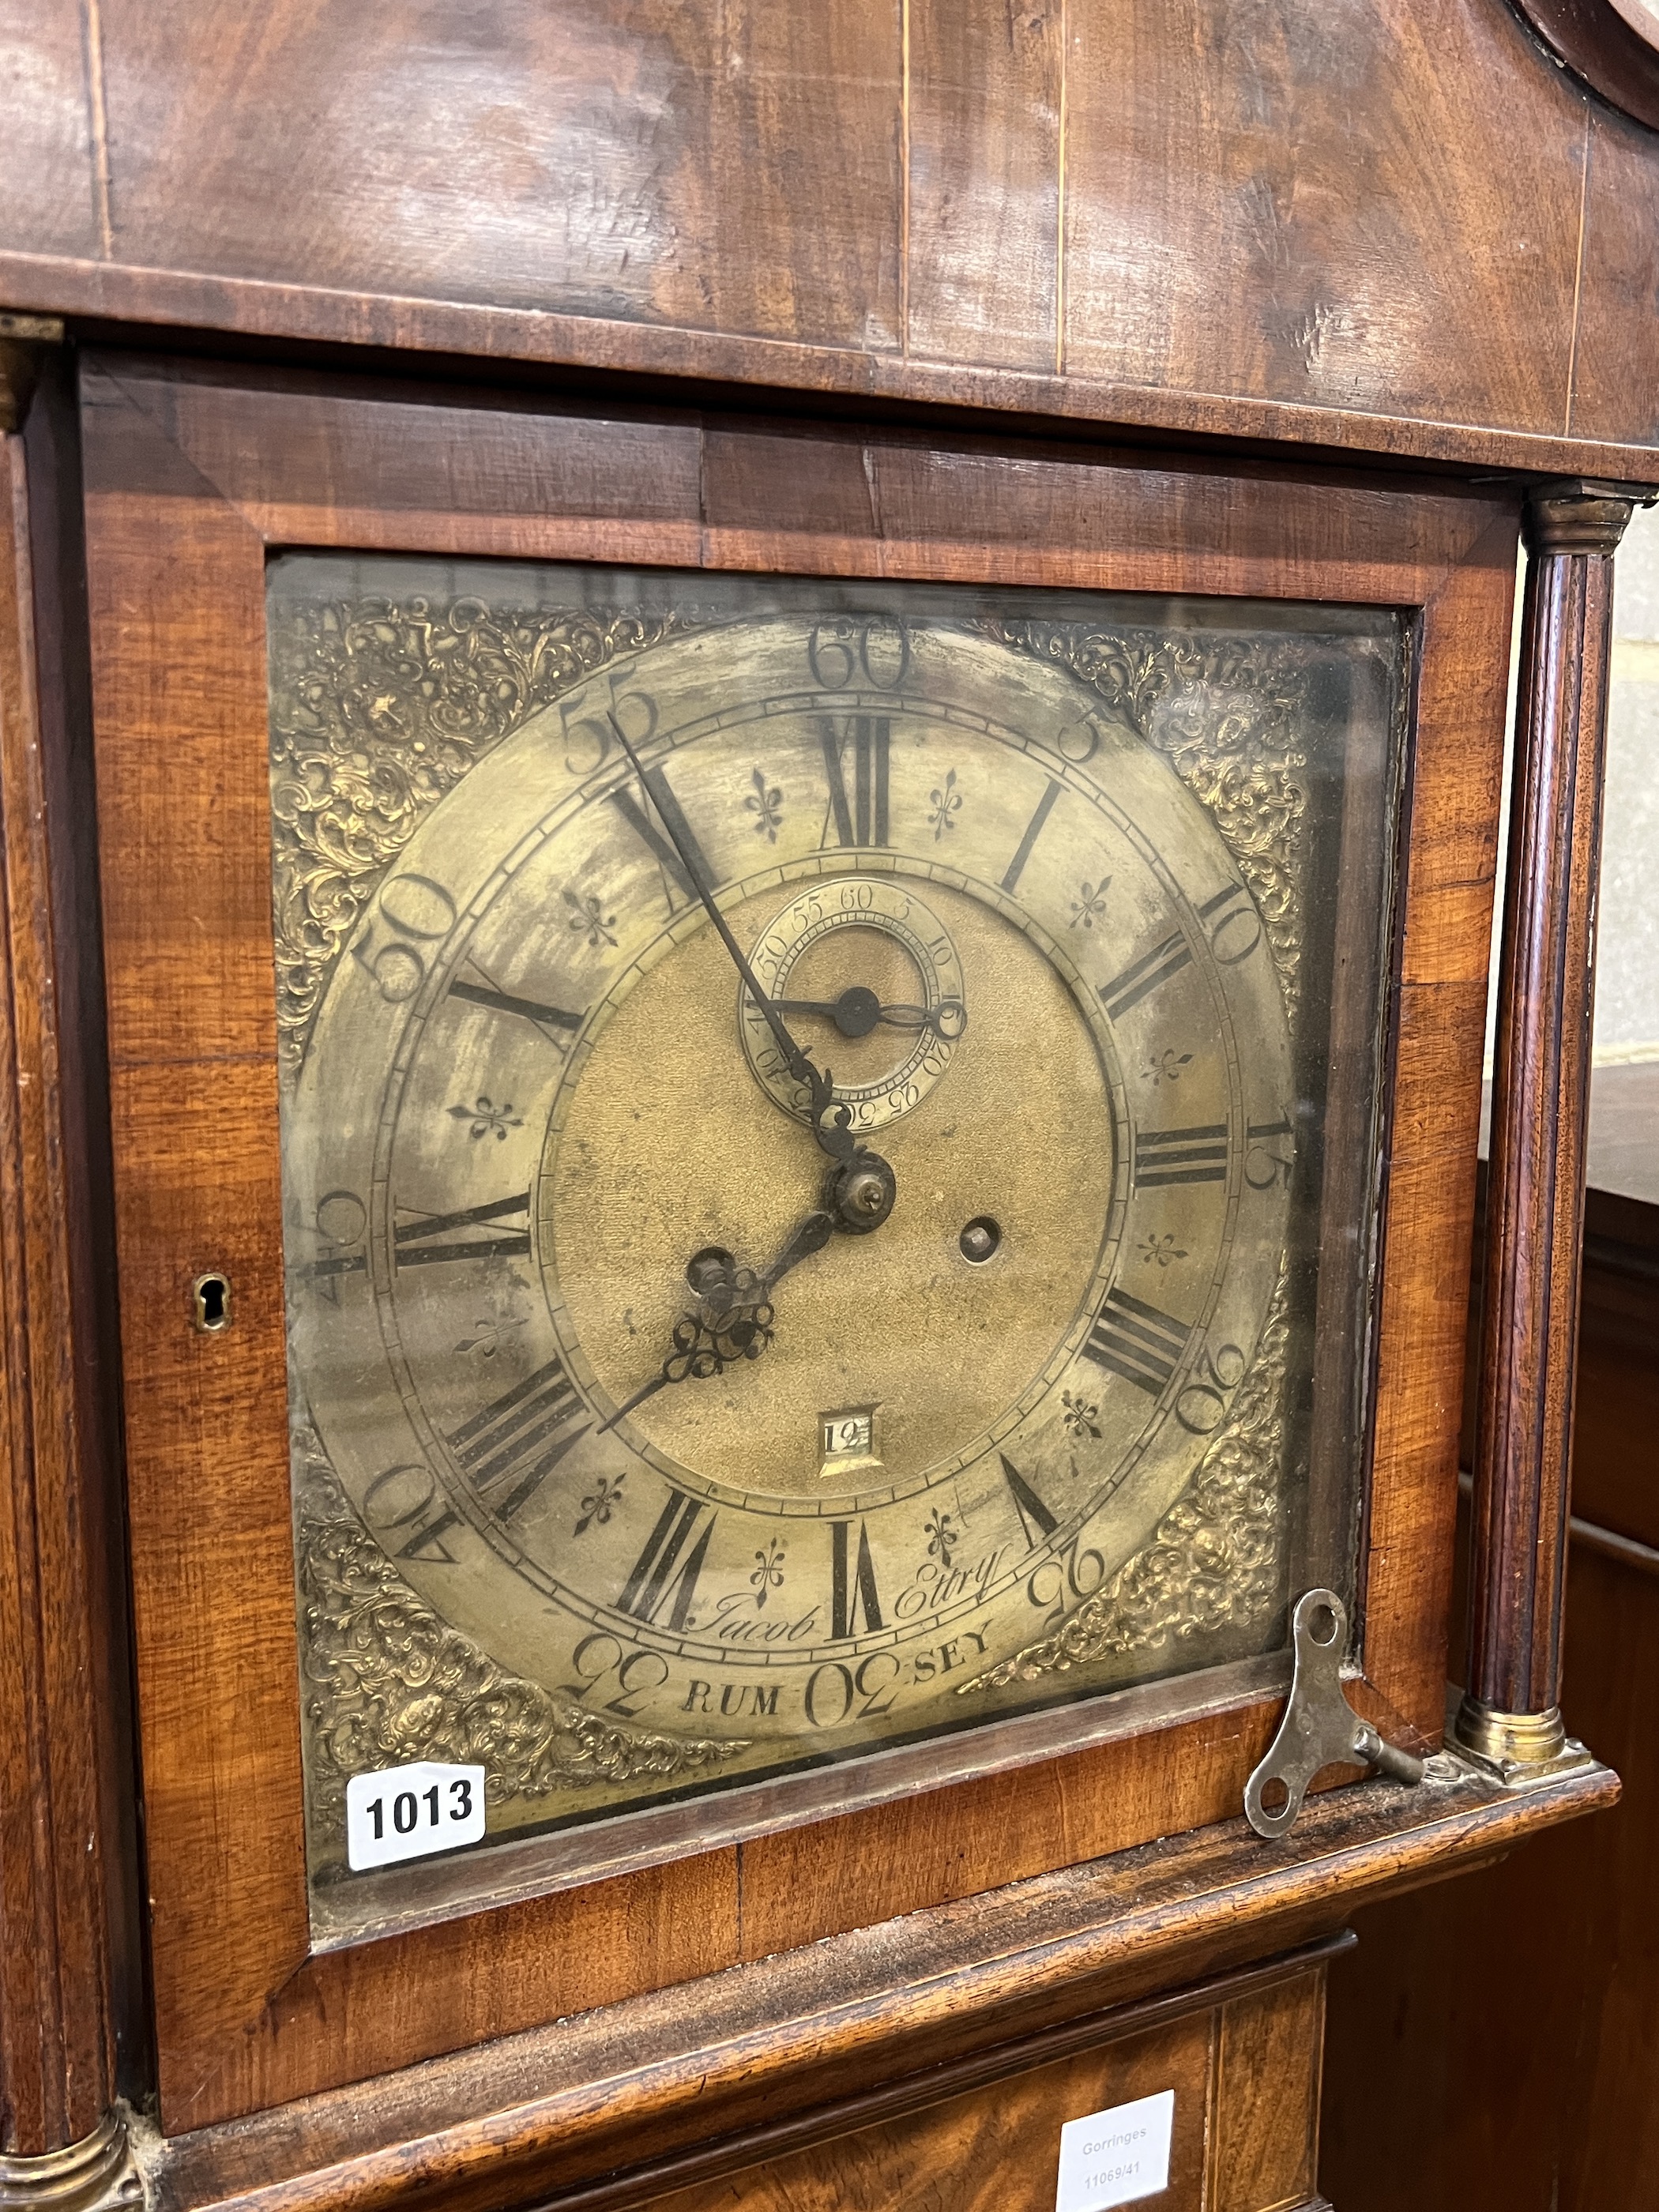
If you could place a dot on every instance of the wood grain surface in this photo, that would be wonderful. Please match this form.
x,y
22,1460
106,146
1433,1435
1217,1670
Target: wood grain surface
x,y
1335,222
1270,2044
65,1901
998,2150
214,468
620,2091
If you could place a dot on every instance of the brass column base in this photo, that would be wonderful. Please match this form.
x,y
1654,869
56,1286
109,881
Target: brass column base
x,y
85,2177
1517,1748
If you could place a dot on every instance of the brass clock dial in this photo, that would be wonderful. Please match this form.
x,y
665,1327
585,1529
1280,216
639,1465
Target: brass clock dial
x,y
584,1324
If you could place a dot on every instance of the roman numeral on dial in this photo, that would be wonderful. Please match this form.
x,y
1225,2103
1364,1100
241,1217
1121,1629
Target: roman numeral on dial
x,y
863,819
1166,1155
1134,984
666,849
515,1441
662,1580
412,1241
854,1603
1045,807
503,1002
1137,1341
1033,1513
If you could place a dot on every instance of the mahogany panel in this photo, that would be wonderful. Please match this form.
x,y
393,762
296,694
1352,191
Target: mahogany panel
x,y
187,943
994,2150
1429,1191
1318,204
732,167
1297,224
1266,2098
1615,389
56,187
1001,1828
62,1730
984,126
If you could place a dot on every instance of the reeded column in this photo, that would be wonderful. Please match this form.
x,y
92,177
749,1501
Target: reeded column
x,y
63,2139
1510,1716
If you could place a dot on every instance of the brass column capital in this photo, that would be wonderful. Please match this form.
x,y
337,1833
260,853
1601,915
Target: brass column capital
x,y
1577,515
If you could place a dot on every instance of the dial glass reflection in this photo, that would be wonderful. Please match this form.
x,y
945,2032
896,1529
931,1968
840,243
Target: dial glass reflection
x,y
691,1435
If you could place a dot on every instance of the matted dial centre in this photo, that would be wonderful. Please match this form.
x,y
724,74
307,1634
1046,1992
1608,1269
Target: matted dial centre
x,y
868,979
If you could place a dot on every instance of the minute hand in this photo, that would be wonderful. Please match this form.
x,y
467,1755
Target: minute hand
x,y
837,1141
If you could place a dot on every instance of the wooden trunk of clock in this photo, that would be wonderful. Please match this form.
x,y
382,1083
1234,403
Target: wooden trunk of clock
x,y
1241,2058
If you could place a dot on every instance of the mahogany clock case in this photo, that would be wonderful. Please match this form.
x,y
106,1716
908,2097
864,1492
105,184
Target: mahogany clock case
x,y
195,478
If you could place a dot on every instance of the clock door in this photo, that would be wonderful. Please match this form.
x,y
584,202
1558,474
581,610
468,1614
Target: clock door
x,y
808,1189
794,1118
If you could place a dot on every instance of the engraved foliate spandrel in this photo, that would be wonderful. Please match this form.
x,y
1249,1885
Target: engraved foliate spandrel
x,y
386,1680
379,708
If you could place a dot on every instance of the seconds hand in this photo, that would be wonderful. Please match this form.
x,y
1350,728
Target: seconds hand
x,y
819,1086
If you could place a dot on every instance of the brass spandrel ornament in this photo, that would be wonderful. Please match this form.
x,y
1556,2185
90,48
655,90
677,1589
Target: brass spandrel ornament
x,y
797,1226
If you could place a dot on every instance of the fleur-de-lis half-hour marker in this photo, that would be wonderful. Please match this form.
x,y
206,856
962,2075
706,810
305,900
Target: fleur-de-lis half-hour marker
x,y
1166,1067
765,803
947,805
589,919
1090,907
941,1536
769,1570
600,1501
1081,1418
488,1118
1161,1249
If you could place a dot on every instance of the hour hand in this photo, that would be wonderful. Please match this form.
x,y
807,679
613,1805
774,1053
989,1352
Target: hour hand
x,y
733,1321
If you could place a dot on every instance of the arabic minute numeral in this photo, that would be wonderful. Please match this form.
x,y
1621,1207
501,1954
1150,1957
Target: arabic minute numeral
x,y
1203,1400
633,1674
844,652
1263,1165
402,1499
587,722
341,1222
1234,925
411,914
834,1689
